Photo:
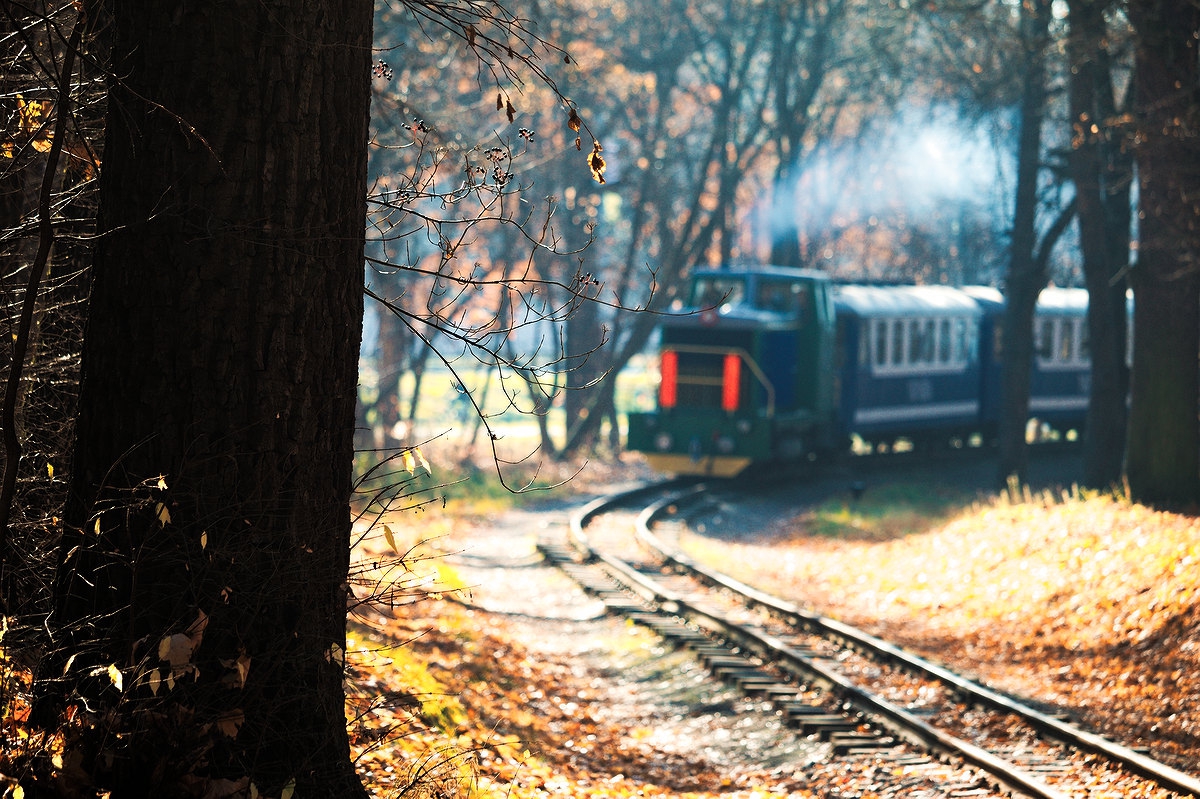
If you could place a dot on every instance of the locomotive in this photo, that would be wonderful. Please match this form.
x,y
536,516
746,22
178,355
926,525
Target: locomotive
x,y
769,363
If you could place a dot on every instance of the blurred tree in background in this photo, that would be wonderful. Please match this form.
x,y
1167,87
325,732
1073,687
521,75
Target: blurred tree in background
x,y
1101,168
1164,436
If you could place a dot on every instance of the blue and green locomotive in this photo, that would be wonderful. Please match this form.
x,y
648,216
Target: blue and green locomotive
x,y
746,373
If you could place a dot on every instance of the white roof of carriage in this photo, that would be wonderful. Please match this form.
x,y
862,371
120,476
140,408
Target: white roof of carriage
x,y
870,301
1052,299
1063,300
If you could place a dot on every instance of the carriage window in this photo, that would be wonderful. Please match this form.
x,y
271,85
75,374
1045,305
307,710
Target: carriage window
x,y
920,341
1044,339
1066,341
943,341
1063,342
960,350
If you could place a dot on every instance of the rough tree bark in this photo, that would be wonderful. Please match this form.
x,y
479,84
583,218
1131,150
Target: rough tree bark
x,y
800,34
1102,174
1026,274
206,541
1163,456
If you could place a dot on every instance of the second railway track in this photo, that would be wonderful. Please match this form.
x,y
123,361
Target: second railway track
x,y
838,683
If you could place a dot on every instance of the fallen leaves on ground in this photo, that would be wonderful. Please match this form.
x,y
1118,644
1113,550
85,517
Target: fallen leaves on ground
x,y
447,698
1090,603
1085,603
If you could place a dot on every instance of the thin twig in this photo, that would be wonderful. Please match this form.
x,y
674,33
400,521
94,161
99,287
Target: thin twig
x,y
8,415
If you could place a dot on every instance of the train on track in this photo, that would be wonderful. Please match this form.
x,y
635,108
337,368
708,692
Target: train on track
x,y
770,364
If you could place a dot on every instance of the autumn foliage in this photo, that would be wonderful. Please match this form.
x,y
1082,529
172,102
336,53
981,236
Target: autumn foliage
x,y
1088,602
1083,602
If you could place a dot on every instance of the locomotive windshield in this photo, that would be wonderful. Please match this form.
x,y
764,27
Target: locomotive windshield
x,y
708,292
781,296
763,294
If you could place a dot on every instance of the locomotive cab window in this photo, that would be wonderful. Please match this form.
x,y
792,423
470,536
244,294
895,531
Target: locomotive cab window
x,y
782,296
721,292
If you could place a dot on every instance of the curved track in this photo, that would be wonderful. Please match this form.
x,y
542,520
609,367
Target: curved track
x,y
834,680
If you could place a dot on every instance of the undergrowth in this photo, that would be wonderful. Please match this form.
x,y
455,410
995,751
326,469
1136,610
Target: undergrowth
x,y
887,511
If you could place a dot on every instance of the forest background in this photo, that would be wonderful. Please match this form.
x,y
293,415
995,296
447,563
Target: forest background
x,y
534,172
956,143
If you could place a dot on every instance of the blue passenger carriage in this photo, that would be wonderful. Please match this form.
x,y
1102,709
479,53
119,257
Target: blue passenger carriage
x,y
1060,380
908,363
1062,361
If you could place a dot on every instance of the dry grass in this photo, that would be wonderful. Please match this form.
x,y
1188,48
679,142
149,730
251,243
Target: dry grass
x,y
1087,602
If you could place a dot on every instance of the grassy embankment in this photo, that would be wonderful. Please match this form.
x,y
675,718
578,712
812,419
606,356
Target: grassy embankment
x,y
1081,599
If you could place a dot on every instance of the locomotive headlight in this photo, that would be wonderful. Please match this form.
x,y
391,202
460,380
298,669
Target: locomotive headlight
x,y
663,442
744,426
725,445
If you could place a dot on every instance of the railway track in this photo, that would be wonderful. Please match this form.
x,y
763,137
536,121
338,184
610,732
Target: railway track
x,y
864,696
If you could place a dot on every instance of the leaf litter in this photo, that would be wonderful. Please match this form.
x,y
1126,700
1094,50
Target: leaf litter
x,y
515,686
508,682
1088,604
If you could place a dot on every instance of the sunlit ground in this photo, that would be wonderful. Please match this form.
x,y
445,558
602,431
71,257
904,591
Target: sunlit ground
x,y
1088,601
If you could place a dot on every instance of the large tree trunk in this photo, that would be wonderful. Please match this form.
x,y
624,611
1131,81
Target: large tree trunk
x,y
1164,435
1027,273
1101,175
207,535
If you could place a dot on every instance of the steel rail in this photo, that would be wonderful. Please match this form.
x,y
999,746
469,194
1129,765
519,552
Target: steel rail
x,y
888,714
1136,762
